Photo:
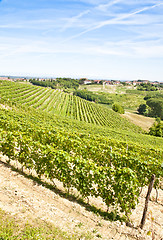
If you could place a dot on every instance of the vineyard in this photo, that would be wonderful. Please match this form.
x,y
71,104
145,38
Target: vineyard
x,y
64,104
94,165
94,159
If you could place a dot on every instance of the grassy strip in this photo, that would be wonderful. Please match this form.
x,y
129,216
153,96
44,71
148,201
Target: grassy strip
x,y
12,228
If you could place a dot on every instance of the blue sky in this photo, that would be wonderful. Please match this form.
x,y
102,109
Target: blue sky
x,y
100,39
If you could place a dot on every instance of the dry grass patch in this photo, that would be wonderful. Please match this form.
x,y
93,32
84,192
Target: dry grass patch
x,y
144,122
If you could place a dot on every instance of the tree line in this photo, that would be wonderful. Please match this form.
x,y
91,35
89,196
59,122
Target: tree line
x,y
153,108
57,83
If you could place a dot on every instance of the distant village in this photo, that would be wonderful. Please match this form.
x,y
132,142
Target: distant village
x,y
89,81
117,82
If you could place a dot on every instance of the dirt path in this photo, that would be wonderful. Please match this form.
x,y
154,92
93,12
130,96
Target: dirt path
x,y
27,199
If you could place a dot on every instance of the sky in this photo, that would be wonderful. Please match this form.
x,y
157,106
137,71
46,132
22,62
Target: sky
x,y
96,39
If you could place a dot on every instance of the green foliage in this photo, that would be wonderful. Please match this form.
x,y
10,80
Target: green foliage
x,y
142,109
64,104
84,156
147,87
58,83
156,107
67,83
157,128
46,120
158,95
153,106
118,108
94,165
86,95
127,100
90,96
135,91
46,83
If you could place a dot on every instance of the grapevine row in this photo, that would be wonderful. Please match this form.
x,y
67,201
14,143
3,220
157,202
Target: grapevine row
x,y
58,102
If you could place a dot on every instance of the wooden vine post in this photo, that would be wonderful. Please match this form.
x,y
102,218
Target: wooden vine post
x,y
147,200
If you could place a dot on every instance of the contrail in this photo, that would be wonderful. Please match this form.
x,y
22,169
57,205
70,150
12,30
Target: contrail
x,y
113,21
74,19
103,7
99,7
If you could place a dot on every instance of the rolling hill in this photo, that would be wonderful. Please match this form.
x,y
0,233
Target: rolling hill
x,y
83,145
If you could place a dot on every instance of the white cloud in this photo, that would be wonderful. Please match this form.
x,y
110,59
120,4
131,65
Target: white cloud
x,y
33,39
141,50
128,48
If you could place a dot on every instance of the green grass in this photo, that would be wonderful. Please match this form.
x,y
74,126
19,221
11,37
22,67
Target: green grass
x,y
129,98
127,101
12,228
93,88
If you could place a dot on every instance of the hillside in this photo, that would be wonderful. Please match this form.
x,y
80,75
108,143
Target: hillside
x,y
46,120
106,164
63,104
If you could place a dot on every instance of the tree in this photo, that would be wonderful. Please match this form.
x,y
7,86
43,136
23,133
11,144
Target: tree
x,y
118,108
142,108
157,128
82,80
156,106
